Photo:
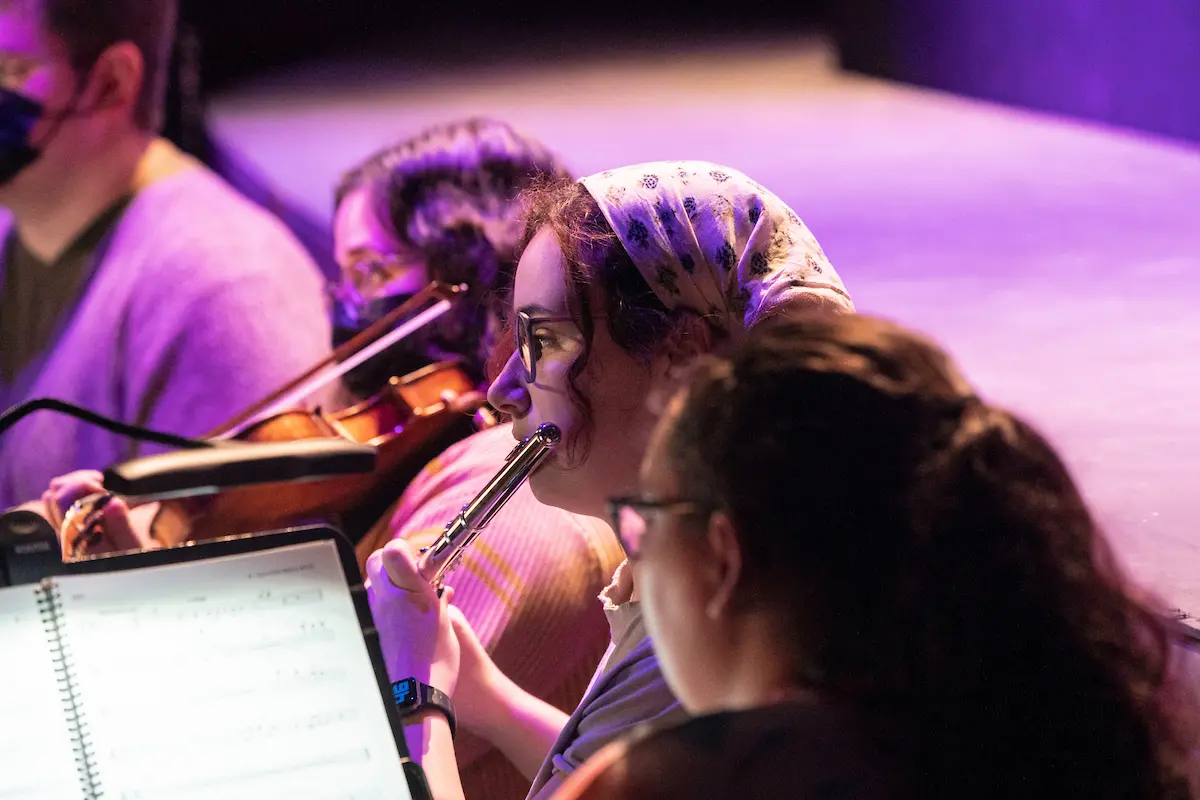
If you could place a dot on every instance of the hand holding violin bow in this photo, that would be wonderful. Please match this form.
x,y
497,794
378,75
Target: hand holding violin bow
x,y
93,521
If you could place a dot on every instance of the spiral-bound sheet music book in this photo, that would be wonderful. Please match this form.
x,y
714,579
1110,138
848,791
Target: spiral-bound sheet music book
x,y
241,675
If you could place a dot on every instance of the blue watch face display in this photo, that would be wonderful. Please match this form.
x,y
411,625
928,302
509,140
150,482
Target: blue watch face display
x,y
410,696
404,692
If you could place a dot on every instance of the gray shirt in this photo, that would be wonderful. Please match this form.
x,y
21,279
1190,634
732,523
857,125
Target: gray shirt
x,y
36,297
628,689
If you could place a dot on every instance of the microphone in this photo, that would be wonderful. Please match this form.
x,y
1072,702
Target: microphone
x,y
18,412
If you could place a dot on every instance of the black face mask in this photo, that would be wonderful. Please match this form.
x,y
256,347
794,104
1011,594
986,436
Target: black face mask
x,y
18,115
444,339
400,359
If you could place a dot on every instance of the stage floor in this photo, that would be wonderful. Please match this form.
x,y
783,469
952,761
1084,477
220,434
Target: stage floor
x,y
1060,262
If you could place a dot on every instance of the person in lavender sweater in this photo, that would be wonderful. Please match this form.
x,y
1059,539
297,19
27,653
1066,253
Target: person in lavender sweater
x,y
133,280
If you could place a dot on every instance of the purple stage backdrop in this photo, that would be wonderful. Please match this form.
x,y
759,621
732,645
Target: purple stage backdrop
x,y
1133,63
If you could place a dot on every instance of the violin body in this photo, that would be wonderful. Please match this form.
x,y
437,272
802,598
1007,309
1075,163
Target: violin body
x,y
401,421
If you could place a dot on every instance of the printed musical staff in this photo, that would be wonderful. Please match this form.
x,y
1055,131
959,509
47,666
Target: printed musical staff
x,y
244,676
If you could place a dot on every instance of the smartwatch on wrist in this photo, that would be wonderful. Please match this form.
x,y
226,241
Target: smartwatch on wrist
x,y
411,696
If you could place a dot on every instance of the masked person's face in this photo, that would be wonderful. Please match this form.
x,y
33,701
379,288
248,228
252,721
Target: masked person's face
x,y
376,277
377,274
39,93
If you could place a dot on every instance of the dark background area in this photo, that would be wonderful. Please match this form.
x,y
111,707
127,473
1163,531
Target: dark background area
x,y
243,37
1131,63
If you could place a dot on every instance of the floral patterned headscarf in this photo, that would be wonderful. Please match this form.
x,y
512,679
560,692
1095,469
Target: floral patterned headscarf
x,y
711,240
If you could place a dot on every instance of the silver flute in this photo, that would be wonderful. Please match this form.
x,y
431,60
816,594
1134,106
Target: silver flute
x,y
446,553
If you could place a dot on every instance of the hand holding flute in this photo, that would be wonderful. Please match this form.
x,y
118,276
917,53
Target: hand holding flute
x,y
446,553
411,612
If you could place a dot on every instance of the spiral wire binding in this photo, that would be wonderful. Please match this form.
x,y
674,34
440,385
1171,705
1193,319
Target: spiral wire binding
x,y
49,605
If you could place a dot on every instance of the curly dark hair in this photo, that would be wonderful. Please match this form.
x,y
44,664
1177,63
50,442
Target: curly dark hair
x,y
451,194
933,563
601,282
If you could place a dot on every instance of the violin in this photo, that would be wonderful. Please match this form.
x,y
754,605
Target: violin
x,y
409,421
400,421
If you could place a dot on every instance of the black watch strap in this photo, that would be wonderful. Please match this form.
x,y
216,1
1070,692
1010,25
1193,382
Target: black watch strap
x,y
410,696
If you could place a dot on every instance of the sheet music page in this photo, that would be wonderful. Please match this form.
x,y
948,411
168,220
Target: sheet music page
x,y
237,677
37,758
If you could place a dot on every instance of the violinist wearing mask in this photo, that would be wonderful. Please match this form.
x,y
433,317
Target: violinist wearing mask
x,y
133,281
443,206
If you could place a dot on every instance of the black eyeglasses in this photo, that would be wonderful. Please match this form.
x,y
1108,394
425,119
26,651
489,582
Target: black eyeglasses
x,y
629,515
365,279
528,347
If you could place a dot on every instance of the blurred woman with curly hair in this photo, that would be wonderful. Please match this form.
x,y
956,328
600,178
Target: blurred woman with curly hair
x,y
866,582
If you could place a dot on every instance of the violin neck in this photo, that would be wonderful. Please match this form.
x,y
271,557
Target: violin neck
x,y
327,369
